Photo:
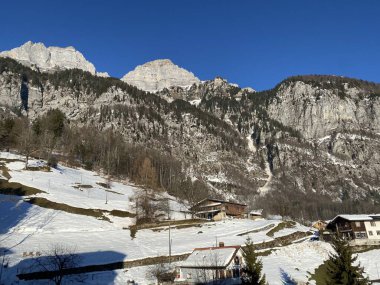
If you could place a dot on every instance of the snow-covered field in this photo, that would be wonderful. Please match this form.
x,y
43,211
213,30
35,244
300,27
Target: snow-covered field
x,y
27,230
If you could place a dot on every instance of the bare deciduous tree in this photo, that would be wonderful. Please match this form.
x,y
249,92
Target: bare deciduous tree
x,y
164,206
58,260
26,140
161,272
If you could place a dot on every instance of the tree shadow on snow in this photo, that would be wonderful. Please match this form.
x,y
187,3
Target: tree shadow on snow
x,y
93,268
12,211
286,278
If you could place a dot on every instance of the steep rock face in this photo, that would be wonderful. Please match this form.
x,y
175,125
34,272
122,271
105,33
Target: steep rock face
x,y
273,142
316,135
37,55
159,74
208,147
317,112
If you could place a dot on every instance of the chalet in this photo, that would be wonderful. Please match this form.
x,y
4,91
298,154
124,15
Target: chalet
x,y
216,265
217,210
357,227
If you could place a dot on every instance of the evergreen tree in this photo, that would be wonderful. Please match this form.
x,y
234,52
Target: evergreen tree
x,y
253,266
340,269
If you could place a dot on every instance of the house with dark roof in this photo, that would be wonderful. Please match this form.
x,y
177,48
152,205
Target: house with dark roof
x,y
216,209
218,265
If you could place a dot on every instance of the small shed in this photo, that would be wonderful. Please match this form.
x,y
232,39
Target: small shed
x,y
255,214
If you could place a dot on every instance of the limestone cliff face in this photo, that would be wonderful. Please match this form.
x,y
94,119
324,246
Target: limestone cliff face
x,y
318,112
207,146
37,55
159,74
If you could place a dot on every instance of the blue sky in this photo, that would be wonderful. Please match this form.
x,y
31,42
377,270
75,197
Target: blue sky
x,y
252,43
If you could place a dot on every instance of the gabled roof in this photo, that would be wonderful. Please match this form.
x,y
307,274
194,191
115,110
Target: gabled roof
x,y
211,205
217,201
352,218
256,212
375,216
211,257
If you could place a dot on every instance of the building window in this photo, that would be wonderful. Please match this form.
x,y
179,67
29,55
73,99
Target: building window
x,y
357,224
370,233
378,233
373,224
360,235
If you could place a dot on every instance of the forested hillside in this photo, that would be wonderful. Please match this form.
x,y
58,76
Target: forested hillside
x,y
307,148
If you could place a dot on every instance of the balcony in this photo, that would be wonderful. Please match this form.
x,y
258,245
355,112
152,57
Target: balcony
x,y
345,228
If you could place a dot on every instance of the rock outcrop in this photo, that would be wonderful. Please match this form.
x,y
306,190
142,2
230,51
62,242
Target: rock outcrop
x,y
159,74
317,112
38,56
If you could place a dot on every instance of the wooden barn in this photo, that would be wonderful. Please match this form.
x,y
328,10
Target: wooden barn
x,y
215,209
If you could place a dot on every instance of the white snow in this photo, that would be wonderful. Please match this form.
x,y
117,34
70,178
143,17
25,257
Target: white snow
x,y
371,262
212,256
296,260
195,102
251,145
264,189
355,217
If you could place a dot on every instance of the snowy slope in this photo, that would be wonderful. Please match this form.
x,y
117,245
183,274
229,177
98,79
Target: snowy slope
x,y
26,229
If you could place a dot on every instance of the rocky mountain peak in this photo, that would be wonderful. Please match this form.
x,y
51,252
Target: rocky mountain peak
x,y
156,75
38,56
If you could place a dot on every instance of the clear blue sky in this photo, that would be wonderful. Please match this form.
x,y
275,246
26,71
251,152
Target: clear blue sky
x,y
252,43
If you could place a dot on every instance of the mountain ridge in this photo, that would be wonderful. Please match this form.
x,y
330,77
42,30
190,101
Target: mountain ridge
x,y
158,74
230,143
37,55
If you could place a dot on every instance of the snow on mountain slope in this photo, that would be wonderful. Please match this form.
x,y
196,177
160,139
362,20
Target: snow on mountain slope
x,y
98,242
62,185
50,58
27,229
159,74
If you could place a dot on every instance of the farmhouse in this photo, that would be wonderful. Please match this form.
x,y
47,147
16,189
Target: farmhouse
x,y
221,264
363,229
217,210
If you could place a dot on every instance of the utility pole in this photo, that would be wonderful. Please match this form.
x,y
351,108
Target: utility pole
x,y
170,246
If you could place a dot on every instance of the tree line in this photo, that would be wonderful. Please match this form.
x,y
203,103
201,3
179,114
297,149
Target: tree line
x,y
51,137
